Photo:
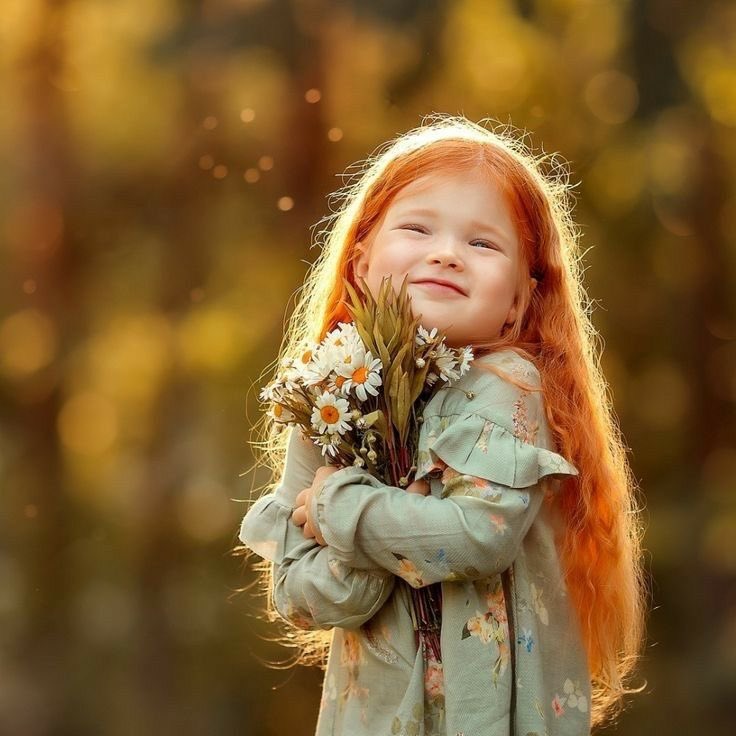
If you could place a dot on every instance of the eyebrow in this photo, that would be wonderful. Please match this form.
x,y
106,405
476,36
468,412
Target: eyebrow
x,y
477,226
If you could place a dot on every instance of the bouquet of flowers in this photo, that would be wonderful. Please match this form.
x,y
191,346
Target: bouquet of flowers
x,y
359,395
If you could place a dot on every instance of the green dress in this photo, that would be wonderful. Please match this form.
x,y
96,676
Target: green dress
x,y
513,661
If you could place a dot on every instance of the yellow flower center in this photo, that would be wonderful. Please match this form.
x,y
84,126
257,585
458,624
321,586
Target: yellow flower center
x,y
329,414
361,375
278,410
306,356
339,380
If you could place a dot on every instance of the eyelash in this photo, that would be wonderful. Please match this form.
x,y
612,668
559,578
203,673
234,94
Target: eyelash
x,y
419,228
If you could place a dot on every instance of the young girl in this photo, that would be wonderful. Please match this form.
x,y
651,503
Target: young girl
x,y
522,514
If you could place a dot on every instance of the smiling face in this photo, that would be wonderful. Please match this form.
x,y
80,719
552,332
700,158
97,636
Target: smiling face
x,y
454,237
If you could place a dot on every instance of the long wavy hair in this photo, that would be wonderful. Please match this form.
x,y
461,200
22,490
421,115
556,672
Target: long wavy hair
x,y
601,551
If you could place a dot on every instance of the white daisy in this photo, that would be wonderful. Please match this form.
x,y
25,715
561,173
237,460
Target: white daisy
x,y
365,377
306,355
331,414
290,379
466,357
345,336
304,360
423,337
281,414
349,358
446,363
319,367
328,443
336,384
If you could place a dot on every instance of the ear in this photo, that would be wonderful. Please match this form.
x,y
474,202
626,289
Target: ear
x,y
514,311
361,260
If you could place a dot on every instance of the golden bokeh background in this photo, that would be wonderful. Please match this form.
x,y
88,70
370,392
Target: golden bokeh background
x,y
165,165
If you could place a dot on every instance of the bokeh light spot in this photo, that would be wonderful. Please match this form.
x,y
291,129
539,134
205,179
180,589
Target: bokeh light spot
x,y
718,91
88,423
252,175
616,178
28,343
265,163
285,204
210,122
220,171
130,359
248,115
206,162
334,134
312,95
612,96
210,340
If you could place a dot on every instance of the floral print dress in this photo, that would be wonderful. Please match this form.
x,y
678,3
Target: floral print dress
x,y
513,661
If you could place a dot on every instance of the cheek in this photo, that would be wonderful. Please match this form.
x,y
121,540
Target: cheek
x,y
499,293
391,261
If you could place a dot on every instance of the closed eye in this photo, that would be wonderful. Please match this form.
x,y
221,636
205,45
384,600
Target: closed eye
x,y
484,244
414,228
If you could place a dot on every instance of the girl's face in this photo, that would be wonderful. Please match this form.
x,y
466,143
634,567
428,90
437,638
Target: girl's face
x,y
454,237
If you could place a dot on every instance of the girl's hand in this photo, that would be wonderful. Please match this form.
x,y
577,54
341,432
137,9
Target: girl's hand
x,y
301,516
418,486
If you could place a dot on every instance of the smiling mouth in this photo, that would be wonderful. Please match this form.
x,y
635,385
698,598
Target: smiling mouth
x,y
441,286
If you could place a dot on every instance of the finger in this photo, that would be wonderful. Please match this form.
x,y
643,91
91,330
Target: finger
x,y
307,531
314,528
299,517
300,497
323,473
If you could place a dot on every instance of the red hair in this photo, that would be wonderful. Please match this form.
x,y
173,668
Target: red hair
x,y
601,550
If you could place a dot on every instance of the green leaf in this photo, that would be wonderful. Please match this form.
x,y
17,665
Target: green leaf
x,y
383,353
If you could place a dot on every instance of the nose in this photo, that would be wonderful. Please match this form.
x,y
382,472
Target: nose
x,y
445,253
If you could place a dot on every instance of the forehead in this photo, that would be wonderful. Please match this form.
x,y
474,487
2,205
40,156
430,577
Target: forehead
x,y
437,184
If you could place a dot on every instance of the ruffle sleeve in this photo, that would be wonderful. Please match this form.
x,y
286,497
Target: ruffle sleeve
x,y
476,445
266,529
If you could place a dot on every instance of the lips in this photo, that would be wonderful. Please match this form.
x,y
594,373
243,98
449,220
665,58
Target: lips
x,y
443,282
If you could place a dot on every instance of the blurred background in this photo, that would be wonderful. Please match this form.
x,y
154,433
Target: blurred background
x,y
163,165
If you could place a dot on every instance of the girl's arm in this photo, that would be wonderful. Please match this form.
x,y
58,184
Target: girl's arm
x,y
493,487
311,588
